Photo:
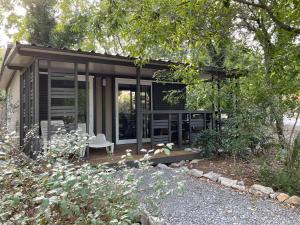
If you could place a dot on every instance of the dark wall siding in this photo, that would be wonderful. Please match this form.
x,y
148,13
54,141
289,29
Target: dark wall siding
x,y
161,90
43,97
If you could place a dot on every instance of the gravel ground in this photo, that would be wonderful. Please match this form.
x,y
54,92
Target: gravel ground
x,y
208,203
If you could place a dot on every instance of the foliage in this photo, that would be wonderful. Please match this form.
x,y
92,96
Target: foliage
x,y
281,179
286,177
39,23
57,189
209,141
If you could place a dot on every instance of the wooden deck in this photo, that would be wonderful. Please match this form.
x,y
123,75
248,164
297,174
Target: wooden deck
x,y
100,155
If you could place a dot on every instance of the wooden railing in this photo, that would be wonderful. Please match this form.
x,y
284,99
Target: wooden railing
x,y
177,126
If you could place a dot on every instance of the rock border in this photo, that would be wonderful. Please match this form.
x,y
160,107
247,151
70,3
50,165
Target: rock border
x,y
256,189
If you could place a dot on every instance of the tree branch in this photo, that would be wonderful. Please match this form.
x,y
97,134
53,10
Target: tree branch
x,y
269,11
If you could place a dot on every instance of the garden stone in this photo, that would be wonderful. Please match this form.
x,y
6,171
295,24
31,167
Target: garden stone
x,y
195,173
177,165
212,176
274,195
261,190
294,200
195,161
184,169
156,221
2,162
181,163
239,187
282,197
147,219
163,166
227,181
241,183
196,150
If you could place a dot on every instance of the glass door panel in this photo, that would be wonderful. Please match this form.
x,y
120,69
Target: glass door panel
x,y
126,106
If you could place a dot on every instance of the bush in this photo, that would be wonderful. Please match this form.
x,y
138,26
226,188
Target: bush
x,y
209,141
281,179
54,190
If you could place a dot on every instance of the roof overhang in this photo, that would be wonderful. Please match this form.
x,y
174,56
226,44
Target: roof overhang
x,y
21,56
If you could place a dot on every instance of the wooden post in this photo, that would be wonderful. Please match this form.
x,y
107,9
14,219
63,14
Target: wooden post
x,y
179,130
213,103
190,128
170,127
36,95
219,103
139,119
76,94
49,99
152,129
103,84
21,128
87,105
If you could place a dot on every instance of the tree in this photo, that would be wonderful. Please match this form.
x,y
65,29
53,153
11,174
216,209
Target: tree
x,y
39,25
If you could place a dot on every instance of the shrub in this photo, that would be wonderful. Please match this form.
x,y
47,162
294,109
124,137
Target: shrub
x,y
209,141
281,179
54,190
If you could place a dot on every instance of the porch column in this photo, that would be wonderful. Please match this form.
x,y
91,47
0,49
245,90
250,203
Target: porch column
x,y
49,98
87,105
76,94
139,119
36,102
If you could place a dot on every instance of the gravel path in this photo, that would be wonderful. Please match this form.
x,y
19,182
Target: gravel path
x,y
208,203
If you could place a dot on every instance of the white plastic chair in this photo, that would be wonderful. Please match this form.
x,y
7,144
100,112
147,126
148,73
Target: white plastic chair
x,y
100,142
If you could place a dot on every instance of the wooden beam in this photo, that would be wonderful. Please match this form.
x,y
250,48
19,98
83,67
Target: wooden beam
x,y
103,89
170,127
49,98
83,59
76,94
179,130
87,105
21,110
139,119
36,108
190,129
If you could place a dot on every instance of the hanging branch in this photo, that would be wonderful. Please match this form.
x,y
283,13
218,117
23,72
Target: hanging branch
x,y
269,11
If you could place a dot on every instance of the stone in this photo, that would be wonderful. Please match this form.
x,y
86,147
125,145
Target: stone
x,y
196,149
163,166
147,219
184,169
195,161
177,165
274,195
241,183
227,181
156,221
188,149
144,219
2,162
212,176
181,163
260,190
239,187
195,173
282,197
294,200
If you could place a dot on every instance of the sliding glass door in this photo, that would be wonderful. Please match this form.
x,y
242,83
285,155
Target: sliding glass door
x,y
126,110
